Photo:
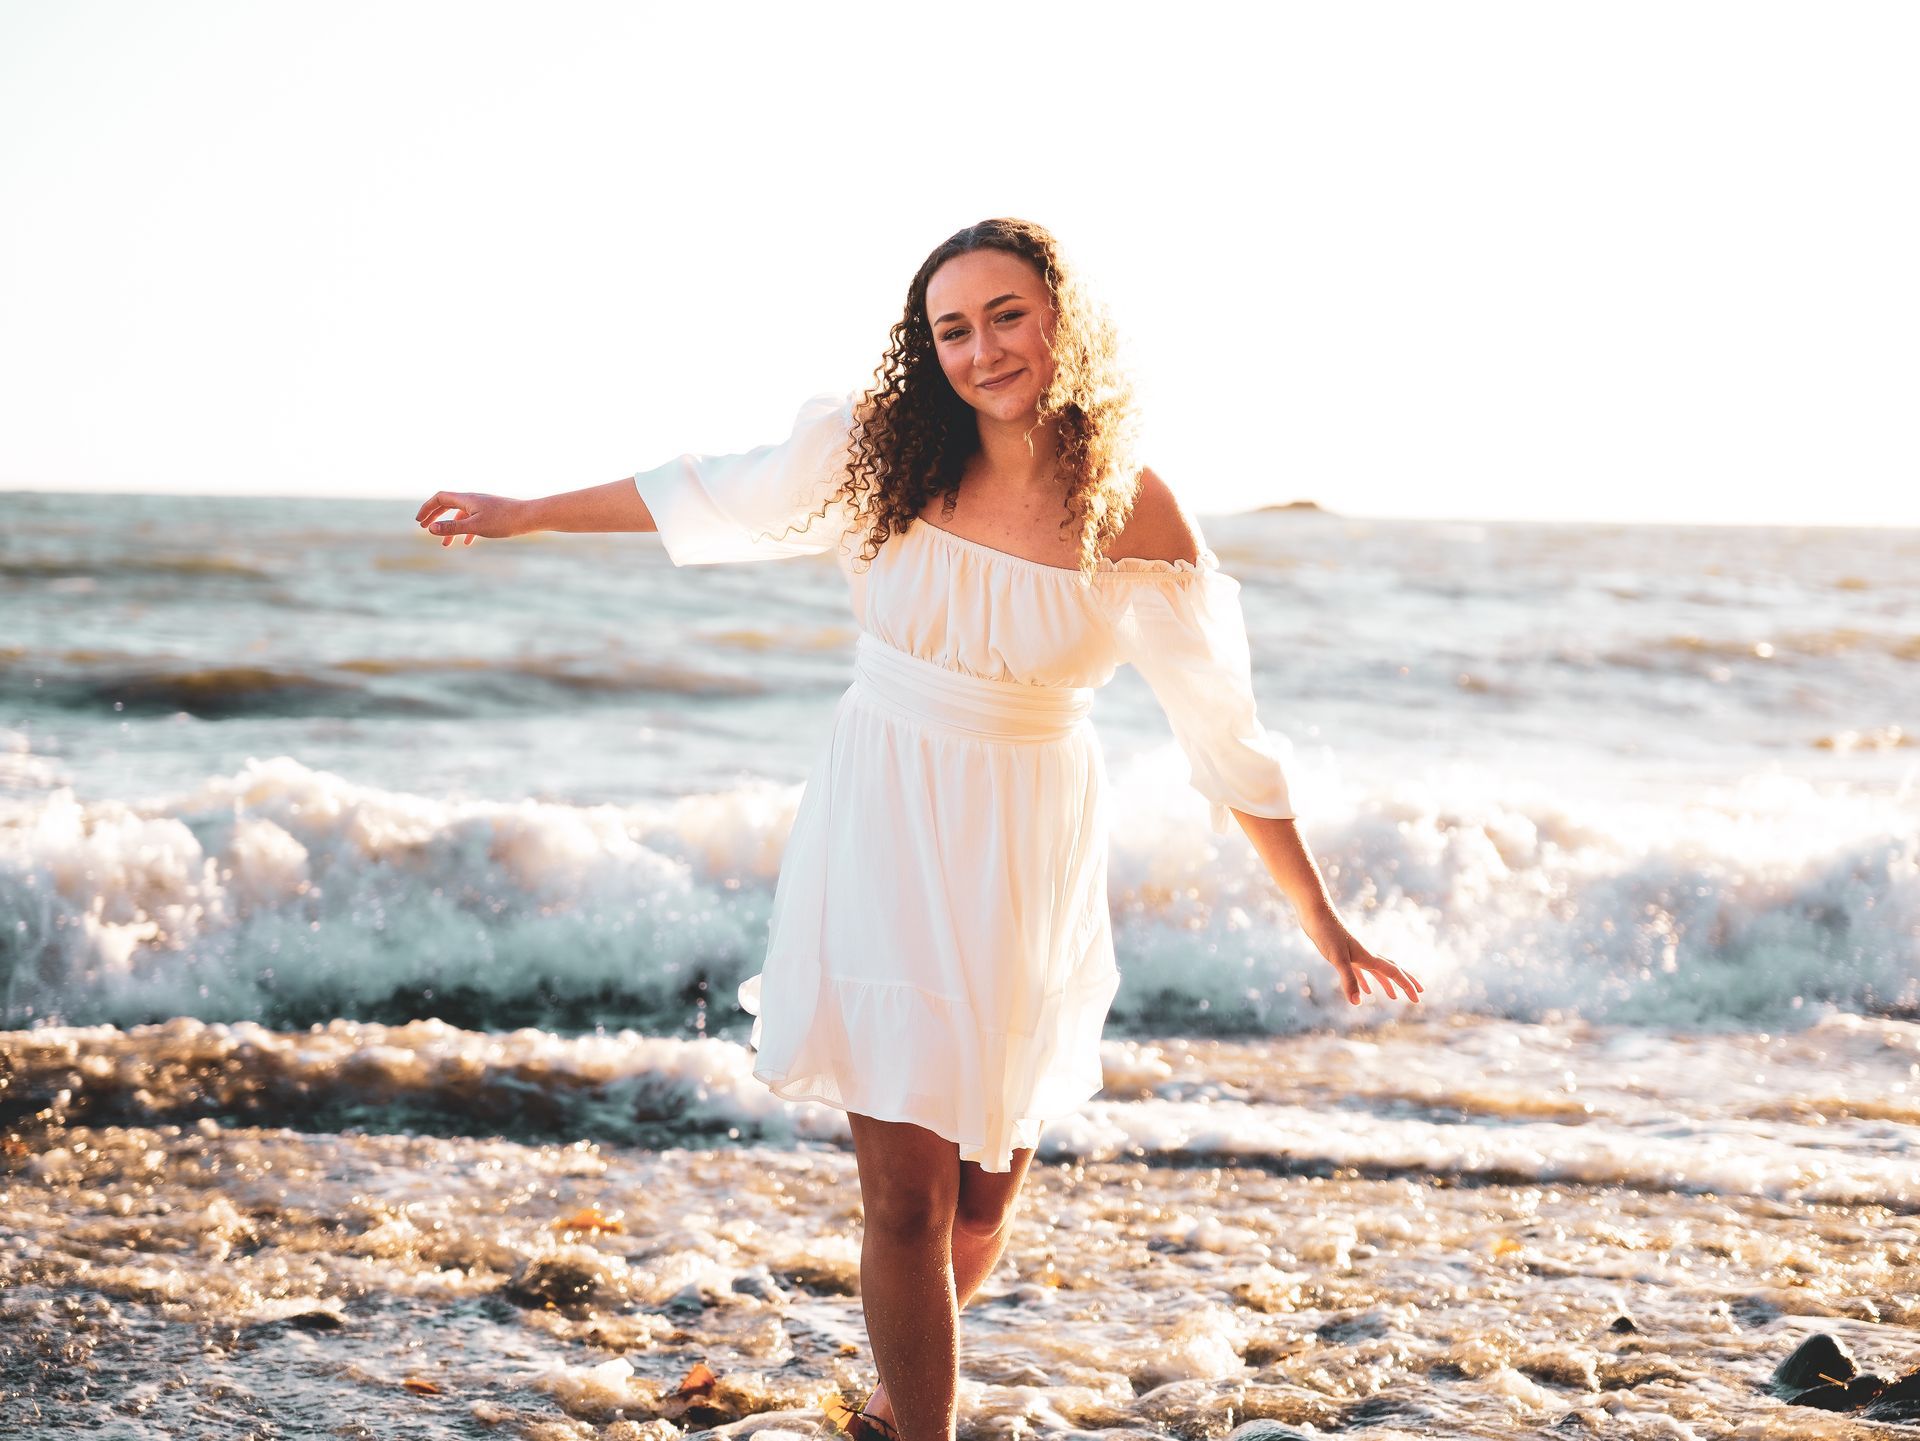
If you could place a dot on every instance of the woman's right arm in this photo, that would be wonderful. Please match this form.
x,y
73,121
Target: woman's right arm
x,y
611,507
759,505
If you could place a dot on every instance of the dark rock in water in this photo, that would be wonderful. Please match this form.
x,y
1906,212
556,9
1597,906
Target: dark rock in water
x,y
1623,1322
315,1321
821,1278
1900,1401
1850,1397
1821,1374
1386,1410
759,1283
553,1282
305,1321
1823,1398
1754,1311
1313,506
1361,1326
1817,1361
688,1300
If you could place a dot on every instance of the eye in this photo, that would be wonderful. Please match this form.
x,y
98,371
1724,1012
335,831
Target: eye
x,y
1011,314
952,333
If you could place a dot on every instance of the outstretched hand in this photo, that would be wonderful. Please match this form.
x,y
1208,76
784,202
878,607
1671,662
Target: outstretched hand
x,y
494,517
1355,962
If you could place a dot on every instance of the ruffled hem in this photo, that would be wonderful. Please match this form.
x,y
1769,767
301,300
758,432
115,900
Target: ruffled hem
x,y
862,1056
1141,565
995,1156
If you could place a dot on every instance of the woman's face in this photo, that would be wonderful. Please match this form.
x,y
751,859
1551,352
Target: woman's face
x,y
993,331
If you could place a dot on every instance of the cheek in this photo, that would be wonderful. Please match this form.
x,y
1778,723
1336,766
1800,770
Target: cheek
x,y
953,366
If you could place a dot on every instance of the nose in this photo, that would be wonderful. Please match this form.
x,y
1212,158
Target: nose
x,y
987,349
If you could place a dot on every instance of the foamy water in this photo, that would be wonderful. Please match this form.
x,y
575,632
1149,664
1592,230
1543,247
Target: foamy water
x,y
368,911
1427,1230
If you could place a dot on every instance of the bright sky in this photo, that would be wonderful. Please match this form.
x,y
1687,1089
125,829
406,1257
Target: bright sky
x,y
1632,261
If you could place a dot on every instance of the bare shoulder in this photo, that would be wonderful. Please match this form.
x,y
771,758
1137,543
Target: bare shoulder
x,y
1159,527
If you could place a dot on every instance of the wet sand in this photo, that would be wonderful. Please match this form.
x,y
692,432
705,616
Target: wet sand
x,y
194,1277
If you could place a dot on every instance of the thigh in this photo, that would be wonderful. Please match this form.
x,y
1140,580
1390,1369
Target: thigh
x,y
909,1176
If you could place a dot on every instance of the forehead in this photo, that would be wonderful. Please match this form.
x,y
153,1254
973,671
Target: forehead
x,y
968,282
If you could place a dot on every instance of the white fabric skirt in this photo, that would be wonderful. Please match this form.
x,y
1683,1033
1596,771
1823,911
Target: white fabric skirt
x,y
941,950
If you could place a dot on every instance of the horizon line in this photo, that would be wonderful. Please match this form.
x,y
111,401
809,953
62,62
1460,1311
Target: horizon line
x,y
1296,508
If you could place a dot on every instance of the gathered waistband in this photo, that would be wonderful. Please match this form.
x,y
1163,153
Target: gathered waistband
x,y
989,709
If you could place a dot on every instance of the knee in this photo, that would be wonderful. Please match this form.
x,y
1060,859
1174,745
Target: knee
x,y
980,1219
909,1212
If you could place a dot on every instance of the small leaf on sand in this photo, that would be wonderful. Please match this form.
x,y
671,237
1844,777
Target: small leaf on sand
x,y
838,1412
698,1381
591,1219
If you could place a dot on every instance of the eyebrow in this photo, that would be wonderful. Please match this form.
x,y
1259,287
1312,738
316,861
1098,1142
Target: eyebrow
x,y
956,315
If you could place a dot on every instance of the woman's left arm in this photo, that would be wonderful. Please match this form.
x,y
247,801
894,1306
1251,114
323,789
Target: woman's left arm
x,y
1283,850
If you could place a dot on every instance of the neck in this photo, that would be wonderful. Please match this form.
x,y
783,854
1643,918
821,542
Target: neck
x,y
1020,454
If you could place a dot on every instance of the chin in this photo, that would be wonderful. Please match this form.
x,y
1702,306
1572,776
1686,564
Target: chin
x,y
1005,407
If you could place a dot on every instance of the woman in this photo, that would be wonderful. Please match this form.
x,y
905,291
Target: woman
x,y
940,962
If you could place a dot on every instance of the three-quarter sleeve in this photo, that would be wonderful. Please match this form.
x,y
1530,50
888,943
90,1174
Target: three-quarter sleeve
x,y
758,505
1182,627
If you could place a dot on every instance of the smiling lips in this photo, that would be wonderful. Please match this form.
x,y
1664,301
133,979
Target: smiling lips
x,y
996,384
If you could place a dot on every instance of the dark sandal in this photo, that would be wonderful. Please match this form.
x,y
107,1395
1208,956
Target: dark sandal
x,y
863,1425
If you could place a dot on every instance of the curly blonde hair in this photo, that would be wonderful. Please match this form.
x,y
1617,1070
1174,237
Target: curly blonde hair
x,y
913,434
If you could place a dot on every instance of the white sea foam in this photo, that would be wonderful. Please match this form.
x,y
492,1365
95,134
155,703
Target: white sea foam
x,y
289,894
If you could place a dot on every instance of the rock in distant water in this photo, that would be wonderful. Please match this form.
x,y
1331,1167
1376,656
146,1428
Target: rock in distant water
x,y
1819,1360
1304,505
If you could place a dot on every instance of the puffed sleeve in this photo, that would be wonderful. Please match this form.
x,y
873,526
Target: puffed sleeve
x,y
758,505
1181,626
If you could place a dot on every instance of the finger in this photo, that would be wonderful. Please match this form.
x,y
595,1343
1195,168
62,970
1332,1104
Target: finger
x,y
456,501
469,540
443,500
1382,972
1388,971
461,523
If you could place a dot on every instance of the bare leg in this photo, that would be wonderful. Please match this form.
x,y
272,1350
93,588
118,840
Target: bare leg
x,y
909,1188
981,1225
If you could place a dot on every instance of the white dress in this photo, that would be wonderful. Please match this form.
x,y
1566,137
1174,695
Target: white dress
x,y
940,949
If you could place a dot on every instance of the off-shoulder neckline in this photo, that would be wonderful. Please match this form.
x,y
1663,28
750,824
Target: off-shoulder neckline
x,y
1106,565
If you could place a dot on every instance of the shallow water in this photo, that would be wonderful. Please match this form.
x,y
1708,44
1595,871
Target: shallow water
x,y
366,909
1419,1230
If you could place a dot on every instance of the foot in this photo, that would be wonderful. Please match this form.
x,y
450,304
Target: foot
x,y
878,1405
875,1419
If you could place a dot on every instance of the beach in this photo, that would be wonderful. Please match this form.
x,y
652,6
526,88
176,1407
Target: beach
x,y
374,915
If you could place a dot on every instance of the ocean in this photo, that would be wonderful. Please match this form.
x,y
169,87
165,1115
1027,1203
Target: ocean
x,y
371,915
